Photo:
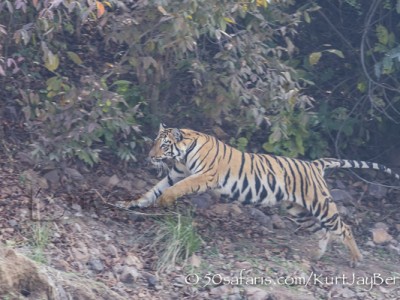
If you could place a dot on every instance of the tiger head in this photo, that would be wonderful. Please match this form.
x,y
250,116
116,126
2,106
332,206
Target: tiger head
x,y
167,145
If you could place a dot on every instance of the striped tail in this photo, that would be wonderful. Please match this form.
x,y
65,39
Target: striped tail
x,y
333,163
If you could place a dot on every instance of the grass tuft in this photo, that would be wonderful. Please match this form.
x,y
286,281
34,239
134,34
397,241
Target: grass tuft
x,y
178,239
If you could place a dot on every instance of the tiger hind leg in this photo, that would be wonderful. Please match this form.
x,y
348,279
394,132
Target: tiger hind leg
x,y
303,218
307,221
333,224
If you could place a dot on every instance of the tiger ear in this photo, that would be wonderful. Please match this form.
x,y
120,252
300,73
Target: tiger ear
x,y
177,134
162,127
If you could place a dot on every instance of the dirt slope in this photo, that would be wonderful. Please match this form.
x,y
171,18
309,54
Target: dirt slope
x,y
60,241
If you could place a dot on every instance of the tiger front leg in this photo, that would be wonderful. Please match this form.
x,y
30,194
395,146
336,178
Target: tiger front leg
x,y
192,184
178,172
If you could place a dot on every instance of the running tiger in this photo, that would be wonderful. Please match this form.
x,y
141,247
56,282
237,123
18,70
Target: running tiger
x,y
203,162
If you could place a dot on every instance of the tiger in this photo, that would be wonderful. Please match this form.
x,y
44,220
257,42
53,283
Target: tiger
x,y
202,162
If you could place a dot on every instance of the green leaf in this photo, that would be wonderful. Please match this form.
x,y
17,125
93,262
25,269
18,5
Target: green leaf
x,y
314,58
361,86
52,61
74,57
335,51
382,34
307,17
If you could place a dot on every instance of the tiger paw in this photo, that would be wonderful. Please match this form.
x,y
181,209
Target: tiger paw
x,y
166,200
139,202
133,205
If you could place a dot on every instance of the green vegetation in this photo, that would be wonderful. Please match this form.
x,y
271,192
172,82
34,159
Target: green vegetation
x,y
39,241
299,78
176,239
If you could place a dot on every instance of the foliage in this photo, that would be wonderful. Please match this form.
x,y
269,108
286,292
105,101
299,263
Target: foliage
x,y
71,122
358,88
176,239
69,111
39,241
254,67
222,62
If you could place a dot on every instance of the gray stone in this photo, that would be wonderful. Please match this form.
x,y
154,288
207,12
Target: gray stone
x,y
129,275
96,265
113,181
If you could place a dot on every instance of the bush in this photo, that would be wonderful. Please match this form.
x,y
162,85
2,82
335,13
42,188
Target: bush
x,y
72,121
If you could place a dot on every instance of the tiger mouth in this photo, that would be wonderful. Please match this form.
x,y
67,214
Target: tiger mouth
x,y
157,160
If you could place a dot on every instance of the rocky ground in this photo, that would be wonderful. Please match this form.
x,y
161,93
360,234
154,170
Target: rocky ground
x,y
61,240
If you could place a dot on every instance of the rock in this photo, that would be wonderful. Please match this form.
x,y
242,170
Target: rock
x,y
126,185
25,158
53,177
132,260
76,207
343,211
380,236
12,223
139,184
96,265
80,252
277,222
377,191
151,279
78,227
255,293
381,225
261,217
347,293
236,210
19,274
195,261
202,201
220,292
129,275
112,250
113,181
243,265
398,227
220,209
74,174
341,196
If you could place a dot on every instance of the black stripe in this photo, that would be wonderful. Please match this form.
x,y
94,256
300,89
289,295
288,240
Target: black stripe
x,y
223,156
260,158
241,165
301,175
216,154
177,170
190,149
230,155
258,183
157,193
234,187
271,181
193,164
245,183
263,194
226,178
204,157
279,195
332,219
170,181
318,210
235,196
205,143
248,198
